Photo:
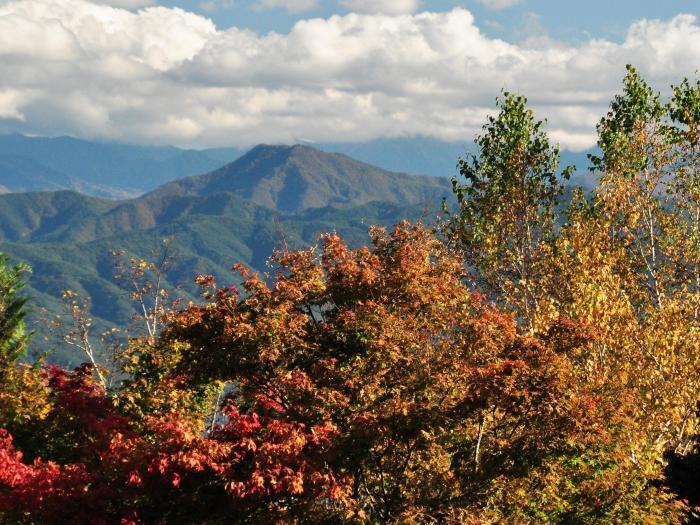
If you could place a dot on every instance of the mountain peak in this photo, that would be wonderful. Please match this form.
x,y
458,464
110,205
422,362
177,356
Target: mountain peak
x,y
299,177
280,150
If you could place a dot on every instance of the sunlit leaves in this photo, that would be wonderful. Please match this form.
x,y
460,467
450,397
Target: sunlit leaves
x,y
508,200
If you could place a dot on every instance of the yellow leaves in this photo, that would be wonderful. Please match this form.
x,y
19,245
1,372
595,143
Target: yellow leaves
x,y
643,350
24,397
411,370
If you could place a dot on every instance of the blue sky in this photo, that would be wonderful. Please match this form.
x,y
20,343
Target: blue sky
x,y
208,73
562,19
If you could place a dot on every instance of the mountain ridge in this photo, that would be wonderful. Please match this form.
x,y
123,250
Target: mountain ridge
x,y
121,171
96,168
284,179
298,177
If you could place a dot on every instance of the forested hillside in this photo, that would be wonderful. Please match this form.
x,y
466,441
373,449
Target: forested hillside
x,y
273,195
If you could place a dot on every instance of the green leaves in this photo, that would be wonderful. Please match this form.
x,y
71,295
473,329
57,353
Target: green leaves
x,y
507,204
684,109
638,109
14,337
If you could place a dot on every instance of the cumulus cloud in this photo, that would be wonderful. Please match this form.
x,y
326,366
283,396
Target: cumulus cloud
x,y
387,7
126,4
164,75
293,6
497,5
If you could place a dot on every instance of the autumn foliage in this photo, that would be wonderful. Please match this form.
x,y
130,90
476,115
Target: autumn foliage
x,y
511,366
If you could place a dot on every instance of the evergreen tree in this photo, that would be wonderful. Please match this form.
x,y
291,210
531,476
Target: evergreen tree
x,y
14,337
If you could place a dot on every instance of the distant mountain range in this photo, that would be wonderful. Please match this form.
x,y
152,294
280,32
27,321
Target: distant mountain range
x,y
119,171
239,212
297,178
95,168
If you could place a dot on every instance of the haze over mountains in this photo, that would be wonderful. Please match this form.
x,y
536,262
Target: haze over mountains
x,y
119,171
122,171
95,168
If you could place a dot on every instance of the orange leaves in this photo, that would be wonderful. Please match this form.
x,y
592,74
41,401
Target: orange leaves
x,y
365,385
380,367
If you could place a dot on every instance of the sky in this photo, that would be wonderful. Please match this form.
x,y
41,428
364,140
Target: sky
x,y
568,20
208,73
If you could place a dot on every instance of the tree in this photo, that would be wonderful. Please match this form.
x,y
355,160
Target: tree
x,y
507,221
14,337
20,384
144,280
684,113
684,188
442,411
368,385
95,464
624,263
635,165
77,332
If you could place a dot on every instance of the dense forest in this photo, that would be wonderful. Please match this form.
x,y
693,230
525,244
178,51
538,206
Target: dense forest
x,y
533,357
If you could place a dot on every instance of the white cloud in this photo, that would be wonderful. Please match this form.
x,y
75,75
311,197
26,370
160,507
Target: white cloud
x,y
169,76
126,4
497,5
293,6
9,105
387,7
